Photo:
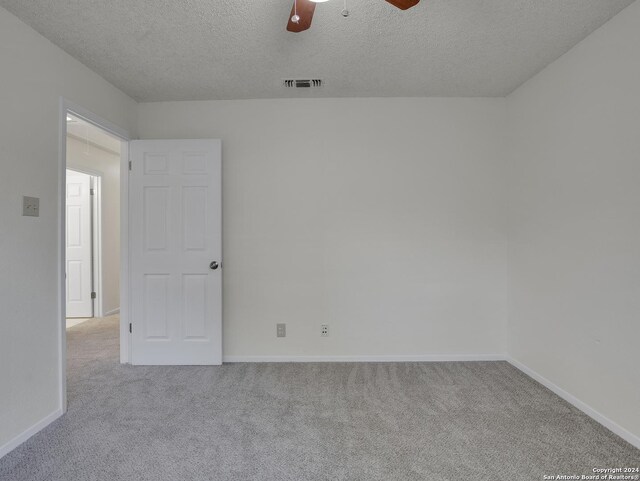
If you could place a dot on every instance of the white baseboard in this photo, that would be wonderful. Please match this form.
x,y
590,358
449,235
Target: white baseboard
x,y
111,312
582,406
21,438
398,358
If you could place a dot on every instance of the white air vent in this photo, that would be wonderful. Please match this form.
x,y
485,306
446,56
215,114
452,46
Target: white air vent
x,y
302,83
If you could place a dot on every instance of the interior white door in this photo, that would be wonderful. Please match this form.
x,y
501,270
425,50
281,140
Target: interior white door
x,y
78,245
175,215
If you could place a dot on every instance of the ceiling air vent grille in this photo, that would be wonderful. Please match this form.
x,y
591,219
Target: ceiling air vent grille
x,y
302,83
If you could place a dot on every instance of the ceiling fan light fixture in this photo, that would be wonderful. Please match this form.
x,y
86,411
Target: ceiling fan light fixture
x,y
302,12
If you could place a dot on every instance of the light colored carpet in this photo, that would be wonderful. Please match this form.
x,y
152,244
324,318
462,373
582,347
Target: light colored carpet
x,y
74,321
369,422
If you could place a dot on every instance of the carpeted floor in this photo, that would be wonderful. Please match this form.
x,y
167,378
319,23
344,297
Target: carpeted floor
x,y
297,422
74,321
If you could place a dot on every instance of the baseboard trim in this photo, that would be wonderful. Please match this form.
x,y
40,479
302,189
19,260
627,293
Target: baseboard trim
x,y
582,406
21,438
398,358
112,312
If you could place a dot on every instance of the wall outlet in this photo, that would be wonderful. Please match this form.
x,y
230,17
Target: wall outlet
x,y
324,330
281,330
30,206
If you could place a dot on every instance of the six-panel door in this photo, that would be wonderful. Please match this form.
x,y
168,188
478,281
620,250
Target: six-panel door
x,y
78,245
175,235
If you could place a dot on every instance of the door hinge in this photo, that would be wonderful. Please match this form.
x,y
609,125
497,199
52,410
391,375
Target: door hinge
x,y
92,192
129,165
93,295
130,328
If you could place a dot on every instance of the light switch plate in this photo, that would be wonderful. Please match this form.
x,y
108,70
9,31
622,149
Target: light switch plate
x,y
30,206
281,330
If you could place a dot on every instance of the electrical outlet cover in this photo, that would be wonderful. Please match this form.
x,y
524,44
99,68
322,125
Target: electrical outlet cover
x,y
324,330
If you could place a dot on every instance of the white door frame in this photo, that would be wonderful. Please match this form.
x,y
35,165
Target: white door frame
x,y
68,107
96,234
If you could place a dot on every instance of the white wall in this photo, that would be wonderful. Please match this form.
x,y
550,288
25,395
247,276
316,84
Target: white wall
x,y
83,156
384,218
574,262
35,74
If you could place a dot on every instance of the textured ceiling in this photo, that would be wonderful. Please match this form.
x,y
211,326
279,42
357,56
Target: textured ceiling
x,y
231,49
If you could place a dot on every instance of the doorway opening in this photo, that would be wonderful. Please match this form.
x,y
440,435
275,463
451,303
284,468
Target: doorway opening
x,y
93,168
92,222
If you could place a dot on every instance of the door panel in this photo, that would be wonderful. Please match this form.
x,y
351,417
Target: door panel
x,y
175,233
194,220
78,245
194,302
156,295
